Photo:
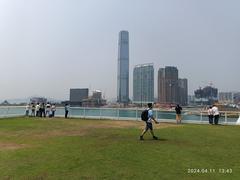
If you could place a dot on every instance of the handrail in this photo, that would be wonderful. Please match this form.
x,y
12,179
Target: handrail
x,y
127,113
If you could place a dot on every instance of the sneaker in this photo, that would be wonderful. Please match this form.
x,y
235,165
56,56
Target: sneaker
x,y
141,138
154,137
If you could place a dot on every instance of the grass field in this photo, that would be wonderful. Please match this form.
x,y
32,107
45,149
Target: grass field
x,y
34,148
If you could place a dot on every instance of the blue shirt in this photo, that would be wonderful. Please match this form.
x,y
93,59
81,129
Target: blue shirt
x,y
150,115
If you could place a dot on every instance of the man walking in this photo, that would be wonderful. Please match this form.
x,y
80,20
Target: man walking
x,y
149,123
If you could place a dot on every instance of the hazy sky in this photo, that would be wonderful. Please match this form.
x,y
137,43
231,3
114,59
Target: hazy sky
x,y
50,46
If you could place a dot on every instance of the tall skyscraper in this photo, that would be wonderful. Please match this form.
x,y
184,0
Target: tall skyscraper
x,y
143,83
183,91
123,68
171,90
171,84
161,86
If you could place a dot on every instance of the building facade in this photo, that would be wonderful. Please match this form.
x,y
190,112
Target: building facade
x,y
143,83
168,85
161,86
171,89
123,68
206,96
77,96
95,100
183,91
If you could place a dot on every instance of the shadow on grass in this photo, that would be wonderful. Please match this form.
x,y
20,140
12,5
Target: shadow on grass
x,y
157,140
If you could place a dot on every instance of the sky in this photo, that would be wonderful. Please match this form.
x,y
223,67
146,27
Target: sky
x,y
50,46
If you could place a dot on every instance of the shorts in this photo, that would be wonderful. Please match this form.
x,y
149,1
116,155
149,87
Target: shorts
x,y
148,126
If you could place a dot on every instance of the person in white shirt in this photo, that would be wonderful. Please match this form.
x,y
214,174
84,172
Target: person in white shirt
x,y
27,109
53,109
48,109
37,110
215,114
210,115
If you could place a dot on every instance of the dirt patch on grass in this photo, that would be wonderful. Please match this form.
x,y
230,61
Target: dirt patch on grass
x,y
129,124
80,128
11,146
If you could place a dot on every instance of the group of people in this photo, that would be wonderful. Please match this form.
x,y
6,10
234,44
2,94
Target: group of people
x,y
213,115
41,109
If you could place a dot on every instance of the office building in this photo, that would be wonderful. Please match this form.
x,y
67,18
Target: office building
x,y
123,68
168,85
95,100
143,83
183,91
77,96
171,89
206,96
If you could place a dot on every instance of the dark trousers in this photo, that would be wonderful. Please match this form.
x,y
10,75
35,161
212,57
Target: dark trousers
x,y
210,118
216,117
37,113
66,114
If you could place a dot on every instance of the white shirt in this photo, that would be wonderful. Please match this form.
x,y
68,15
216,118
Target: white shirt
x,y
37,107
27,107
210,111
215,110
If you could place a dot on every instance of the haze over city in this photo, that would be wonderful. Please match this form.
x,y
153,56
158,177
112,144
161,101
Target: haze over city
x,y
48,47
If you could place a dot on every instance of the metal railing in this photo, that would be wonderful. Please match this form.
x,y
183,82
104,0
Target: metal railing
x,y
188,116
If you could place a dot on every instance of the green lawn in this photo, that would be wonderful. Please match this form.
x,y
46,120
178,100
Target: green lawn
x,y
34,148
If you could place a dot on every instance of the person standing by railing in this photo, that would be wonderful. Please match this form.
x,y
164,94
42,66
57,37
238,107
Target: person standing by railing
x,y
38,110
178,110
215,114
66,110
33,109
210,115
27,109
53,109
48,109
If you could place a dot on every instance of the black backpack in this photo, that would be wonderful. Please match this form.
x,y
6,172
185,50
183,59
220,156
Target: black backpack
x,y
144,115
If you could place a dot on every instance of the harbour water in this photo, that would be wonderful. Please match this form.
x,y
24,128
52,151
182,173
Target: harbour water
x,y
121,114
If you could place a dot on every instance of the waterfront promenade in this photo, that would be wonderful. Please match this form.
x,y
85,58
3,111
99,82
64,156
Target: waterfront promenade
x,y
188,115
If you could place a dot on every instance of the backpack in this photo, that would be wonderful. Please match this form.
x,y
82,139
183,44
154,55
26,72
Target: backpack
x,y
144,115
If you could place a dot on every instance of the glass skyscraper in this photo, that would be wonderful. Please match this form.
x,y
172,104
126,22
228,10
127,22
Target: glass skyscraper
x,y
123,68
143,83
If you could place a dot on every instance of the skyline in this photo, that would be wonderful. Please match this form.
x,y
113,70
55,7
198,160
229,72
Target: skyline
x,y
48,47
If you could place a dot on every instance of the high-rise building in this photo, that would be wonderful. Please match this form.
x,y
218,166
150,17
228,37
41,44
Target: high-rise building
x,y
171,89
77,96
183,91
161,86
206,96
143,83
168,85
123,68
